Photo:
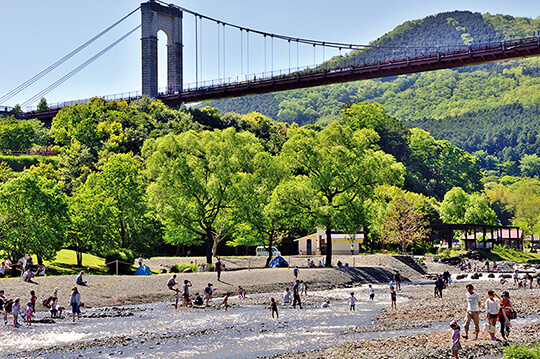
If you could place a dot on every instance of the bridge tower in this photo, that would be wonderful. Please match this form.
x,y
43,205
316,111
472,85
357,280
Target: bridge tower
x,y
156,17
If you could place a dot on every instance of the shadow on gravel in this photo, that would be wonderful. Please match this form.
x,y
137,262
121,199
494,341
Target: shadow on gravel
x,y
369,274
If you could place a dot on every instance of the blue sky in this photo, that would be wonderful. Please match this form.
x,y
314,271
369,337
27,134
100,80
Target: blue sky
x,y
36,33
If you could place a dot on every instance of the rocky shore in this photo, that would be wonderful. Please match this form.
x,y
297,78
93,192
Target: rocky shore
x,y
417,306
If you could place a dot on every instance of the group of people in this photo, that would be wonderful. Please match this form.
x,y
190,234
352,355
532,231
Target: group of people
x,y
199,300
497,308
14,307
26,266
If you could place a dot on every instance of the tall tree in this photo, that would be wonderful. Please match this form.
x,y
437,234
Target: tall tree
x,y
404,225
111,211
33,217
195,178
259,221
524,202
335,170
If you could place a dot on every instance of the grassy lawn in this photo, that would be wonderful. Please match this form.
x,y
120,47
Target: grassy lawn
x,y
66,263
508,254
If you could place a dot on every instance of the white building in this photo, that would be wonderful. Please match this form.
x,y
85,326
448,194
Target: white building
x,y
342,243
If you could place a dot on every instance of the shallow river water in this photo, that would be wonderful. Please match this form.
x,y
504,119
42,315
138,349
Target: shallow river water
x,y
160,331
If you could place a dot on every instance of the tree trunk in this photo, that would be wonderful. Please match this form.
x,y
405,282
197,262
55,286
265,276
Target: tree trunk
x,y
328,246
269,259
209,243
78,252
39,259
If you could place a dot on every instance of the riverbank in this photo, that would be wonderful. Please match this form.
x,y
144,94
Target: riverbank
x,y
418,311
111,290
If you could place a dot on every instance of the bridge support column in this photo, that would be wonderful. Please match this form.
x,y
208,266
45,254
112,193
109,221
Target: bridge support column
x,y
156,17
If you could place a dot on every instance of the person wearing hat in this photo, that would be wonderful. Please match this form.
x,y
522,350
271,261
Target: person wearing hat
x,y
506,306
456,345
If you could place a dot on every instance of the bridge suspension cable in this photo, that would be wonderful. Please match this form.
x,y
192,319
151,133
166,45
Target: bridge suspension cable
x,y
37,77
76,70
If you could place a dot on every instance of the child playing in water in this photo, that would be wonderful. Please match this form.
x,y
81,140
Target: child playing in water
x,y
393,297
29,311
273,307
456,345
56,310
15,311
176,298
352,302
225,304
371,292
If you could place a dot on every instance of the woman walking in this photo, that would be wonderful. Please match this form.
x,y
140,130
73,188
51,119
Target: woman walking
x,y
75,302
504,315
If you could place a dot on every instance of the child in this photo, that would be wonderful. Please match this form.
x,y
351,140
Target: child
x,y
371,292
241,292
176,298
15,311
56,310
225,304
286,296
352,302
302,288
198,299
29,311
456,345
393,297
273,307
33,298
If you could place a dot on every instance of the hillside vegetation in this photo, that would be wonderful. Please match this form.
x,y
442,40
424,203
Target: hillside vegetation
x,y
491,108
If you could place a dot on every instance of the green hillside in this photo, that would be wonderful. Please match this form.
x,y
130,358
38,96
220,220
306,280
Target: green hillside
x,y
486,100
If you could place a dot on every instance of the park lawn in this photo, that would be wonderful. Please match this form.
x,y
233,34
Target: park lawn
x,y
66,263
508,254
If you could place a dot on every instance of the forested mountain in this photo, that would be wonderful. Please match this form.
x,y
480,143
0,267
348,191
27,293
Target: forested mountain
x,y
491,108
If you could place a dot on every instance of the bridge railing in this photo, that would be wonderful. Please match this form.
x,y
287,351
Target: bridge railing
x,y
407,55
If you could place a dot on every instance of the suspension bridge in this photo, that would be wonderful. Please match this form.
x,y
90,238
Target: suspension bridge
x,y
360,62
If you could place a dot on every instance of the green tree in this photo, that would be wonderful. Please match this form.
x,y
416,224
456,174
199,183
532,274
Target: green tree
x,y
259,222
110,211
524,202
33,217
530,165
42,105
195,179
460,208
16,135
335,170
435,167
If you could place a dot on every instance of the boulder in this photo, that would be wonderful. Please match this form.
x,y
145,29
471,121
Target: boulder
x,y
187,270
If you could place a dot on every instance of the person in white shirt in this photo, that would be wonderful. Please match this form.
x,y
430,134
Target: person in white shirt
x,y
492,309
473,308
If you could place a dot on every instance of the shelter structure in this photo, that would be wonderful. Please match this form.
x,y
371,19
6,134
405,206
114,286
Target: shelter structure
x,y
479,236
342,243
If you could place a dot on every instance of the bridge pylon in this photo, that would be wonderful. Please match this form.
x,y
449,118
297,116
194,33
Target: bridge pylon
x,y
156,17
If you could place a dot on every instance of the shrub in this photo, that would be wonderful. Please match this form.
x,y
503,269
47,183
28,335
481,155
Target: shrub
x,y
125,259
179,268
514,351
444,252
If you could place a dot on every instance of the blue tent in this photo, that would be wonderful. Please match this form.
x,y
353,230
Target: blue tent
x,y
278,262
143,270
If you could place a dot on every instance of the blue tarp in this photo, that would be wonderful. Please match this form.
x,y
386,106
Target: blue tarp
x,y
278,262
143,270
